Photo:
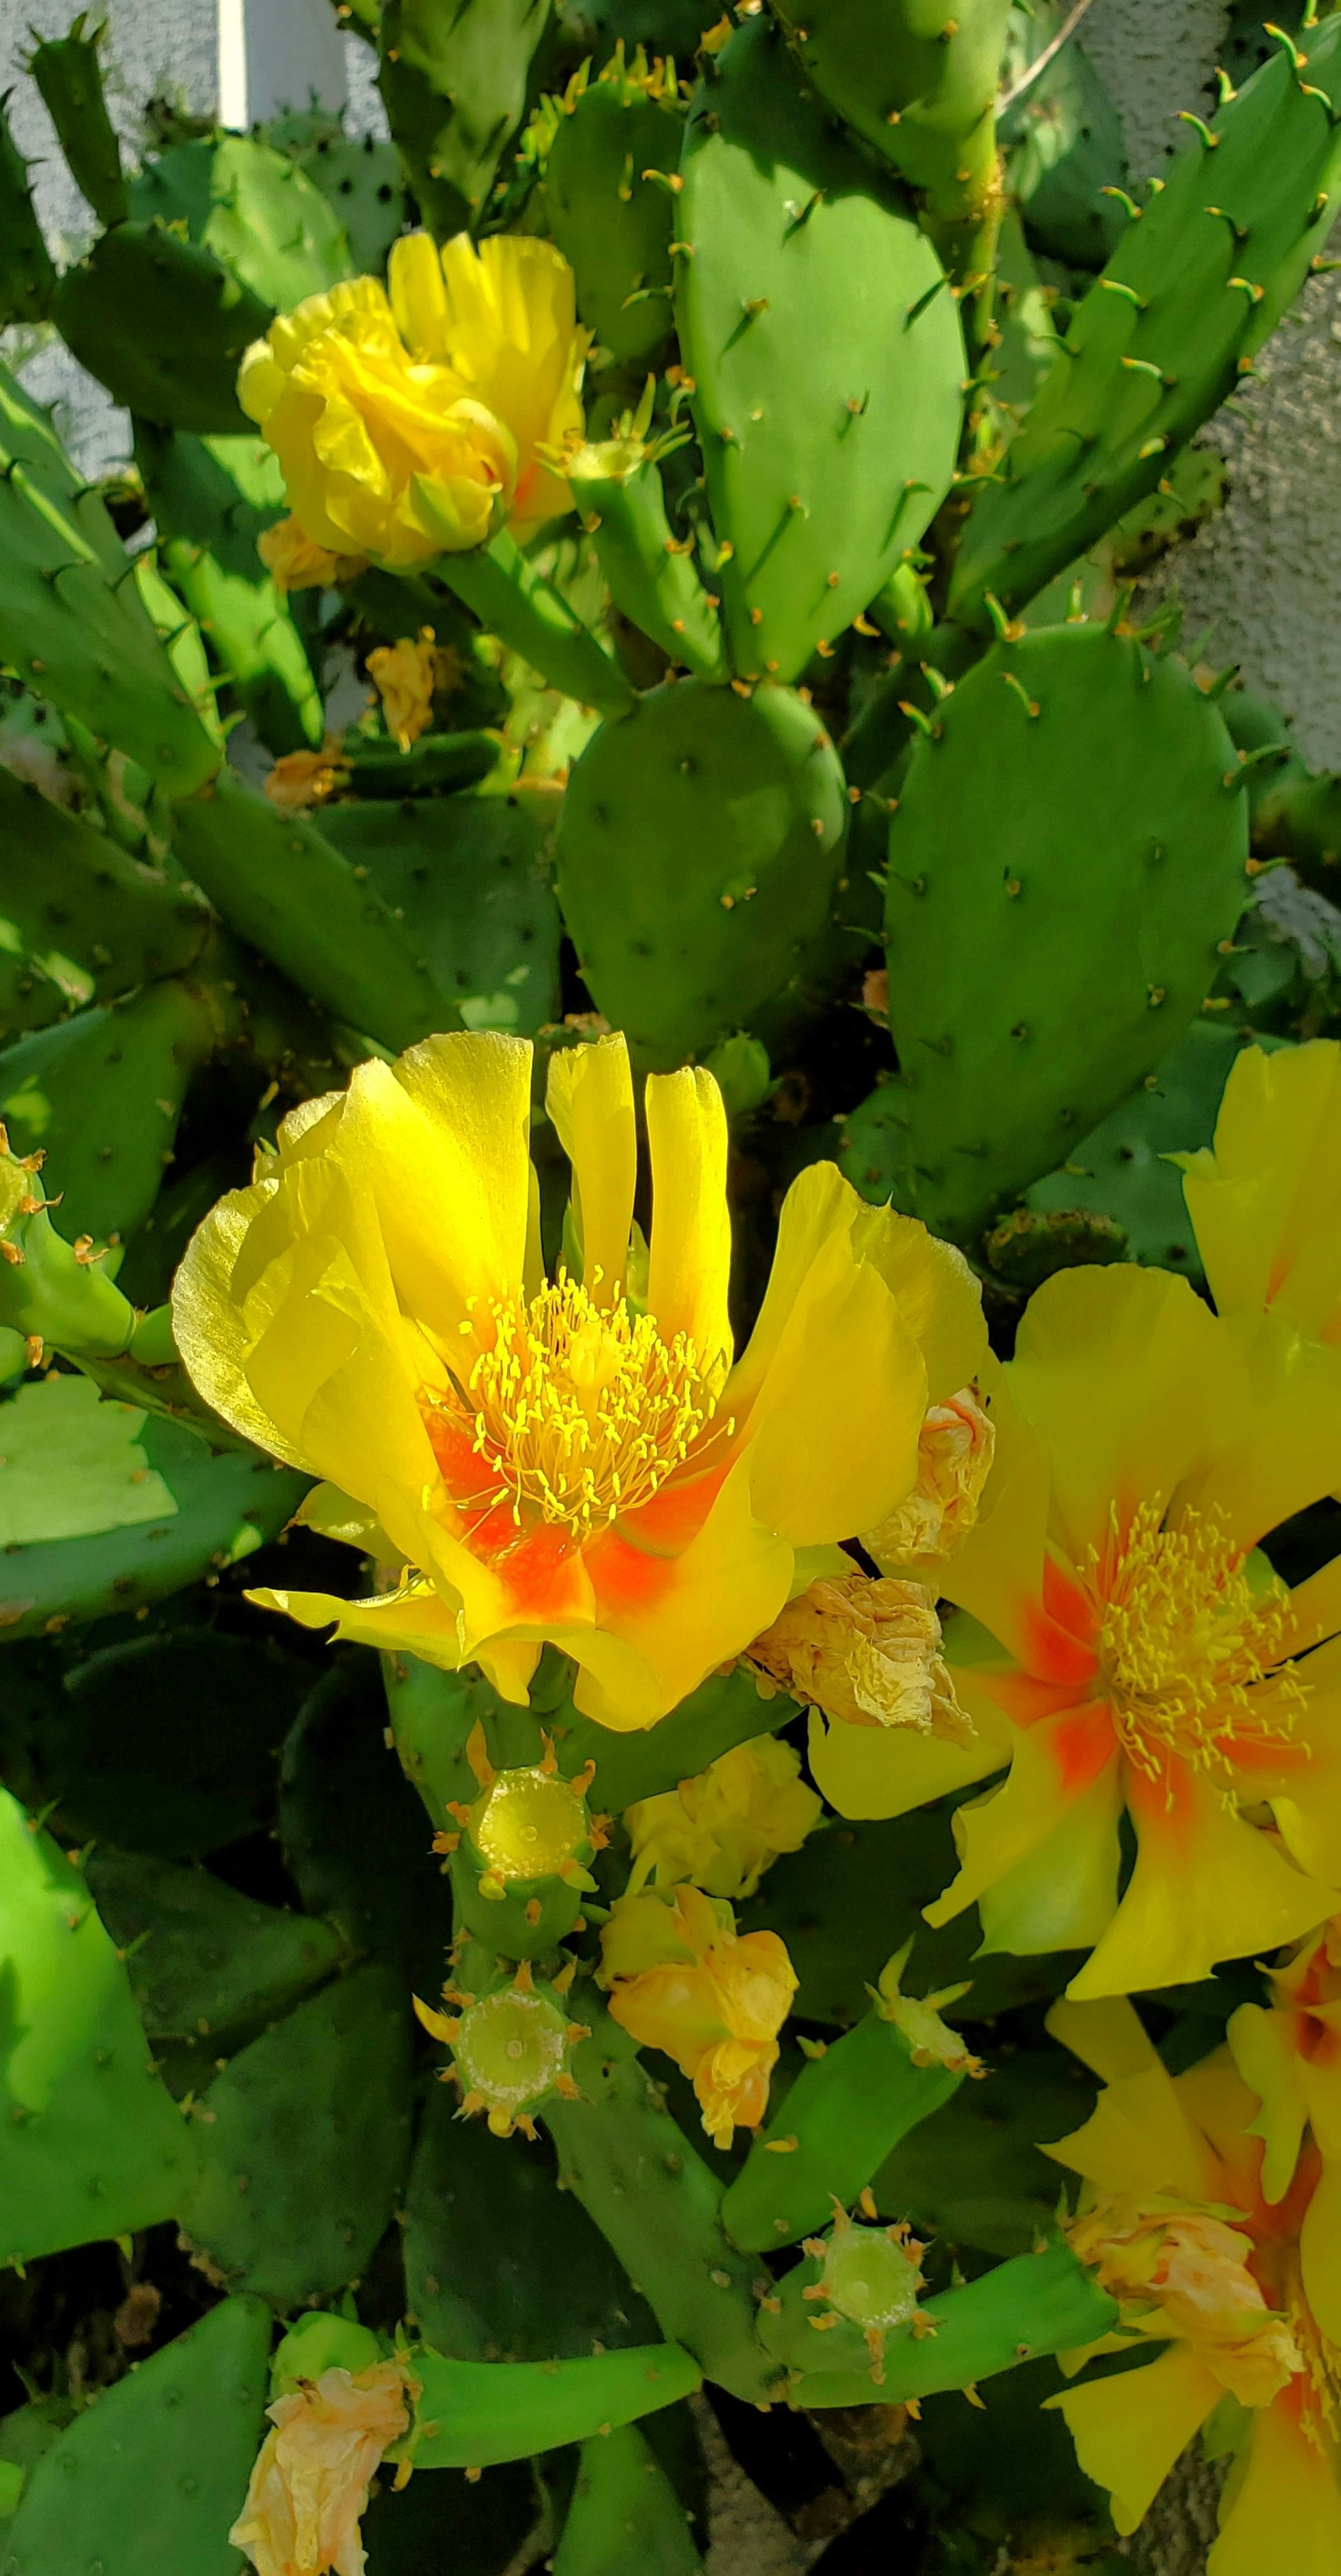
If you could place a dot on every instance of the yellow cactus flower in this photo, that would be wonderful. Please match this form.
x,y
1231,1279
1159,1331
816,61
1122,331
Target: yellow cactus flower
x,y
865,1652
383,455
954,1460
502,319
309,2488
563,1459
1173,2217
301,779
405,675
1265,1199
294,563
683,1980
1290,2053
1126,1650
724,1828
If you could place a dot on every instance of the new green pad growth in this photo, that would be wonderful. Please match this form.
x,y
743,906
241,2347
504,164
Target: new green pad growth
x,y
454,82
699,842
1047,946
825,354
610,205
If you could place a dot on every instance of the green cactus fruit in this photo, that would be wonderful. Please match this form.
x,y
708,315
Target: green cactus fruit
x,y
699,842
624,2513
253,209
1029,1245
920,88
71,623
1037,2303
360,178
1120,1171
454,84
1063,144
27,277
162,325
617,488
218,1511
519,1859
101,1095
499,2266
844,2113
302,2160
476,2413
611,219
514,601
468,881
285,889
148,2481
90,2143
819,475
69,77
658,2204
511,2040
206,1963
742,1073
1042,961
81,921
1196,286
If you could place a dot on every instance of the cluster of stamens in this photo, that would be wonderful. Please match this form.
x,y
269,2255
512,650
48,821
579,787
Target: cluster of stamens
x,y
577,1411
1186,1645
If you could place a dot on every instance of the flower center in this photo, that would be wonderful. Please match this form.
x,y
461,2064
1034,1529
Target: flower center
x,y
1185,1643
580,1412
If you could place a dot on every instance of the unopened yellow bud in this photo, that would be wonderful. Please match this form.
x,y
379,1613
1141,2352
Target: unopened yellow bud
x,y
295,563
954,1458
684,1981
723,1828
866,1651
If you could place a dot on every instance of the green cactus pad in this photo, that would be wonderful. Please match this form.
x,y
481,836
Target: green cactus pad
x,y
71,623
699,842
1044,953
353,1833
27,277
159,322
226,1704
498,2265
624,2513
1188,297
206,1963
617,489
302,2162
1120,1171
90,2144
1063,145
81,921
101,1095
1031,1244
455,86
612,223
223,1509
1037,2303
658,2203
69,76
254,209
360,178
465,878
479,2412
819,475
149,2481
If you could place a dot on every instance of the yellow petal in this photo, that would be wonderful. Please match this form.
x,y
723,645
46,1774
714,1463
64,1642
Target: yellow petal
x,y
589,1098
690,1266
939,1298
819,1205
1052,1765
209,1323
1263,2052
1284,2518
1109,2037
1265,1203
418,294
1206,1887
1063,1896
686,1615
339,1516
1139,2136
414,1621
869,1771
440,1142
1129,2430
1320,2253
996,1574
1284,1451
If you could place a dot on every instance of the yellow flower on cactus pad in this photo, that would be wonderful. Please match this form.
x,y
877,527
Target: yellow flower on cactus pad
x,y
309,2487
1265,1200
563,1459
1127,1652
683,1980
1231,2287
723,1828
502,318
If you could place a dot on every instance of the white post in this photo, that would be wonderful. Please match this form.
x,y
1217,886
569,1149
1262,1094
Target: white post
x,y
277,54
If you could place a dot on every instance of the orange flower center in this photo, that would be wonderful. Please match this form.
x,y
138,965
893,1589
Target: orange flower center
x,y
1186,1643
579,1411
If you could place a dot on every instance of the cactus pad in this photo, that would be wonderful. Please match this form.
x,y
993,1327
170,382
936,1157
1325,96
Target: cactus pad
x,y
454,82
698,846
83,922
162,325
253,209
612,222
1120,1171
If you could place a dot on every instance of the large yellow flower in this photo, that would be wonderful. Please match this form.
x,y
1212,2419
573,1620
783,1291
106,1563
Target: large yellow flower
x,y
1265,1200
408,428
1126,1650
566,1459
1174,2219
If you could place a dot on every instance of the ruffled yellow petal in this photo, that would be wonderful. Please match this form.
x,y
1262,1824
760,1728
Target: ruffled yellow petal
x,y
686,1612
502,320
996,1574
414,1621
1284,2517
589,1099
1265,1201
210,1325
939,1298
1129,2430
690,1267
473,1094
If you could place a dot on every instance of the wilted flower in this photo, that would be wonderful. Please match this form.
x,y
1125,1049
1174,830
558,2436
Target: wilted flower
x,y
683,1980
867,1652
303,778
310,2484
723,1828
954,1458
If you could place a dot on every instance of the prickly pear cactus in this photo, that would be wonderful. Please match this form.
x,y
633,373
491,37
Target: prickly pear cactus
x,y
669,1092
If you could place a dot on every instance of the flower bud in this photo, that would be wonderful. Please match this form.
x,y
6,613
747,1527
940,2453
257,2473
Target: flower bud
x,y
724,1828
682,1980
